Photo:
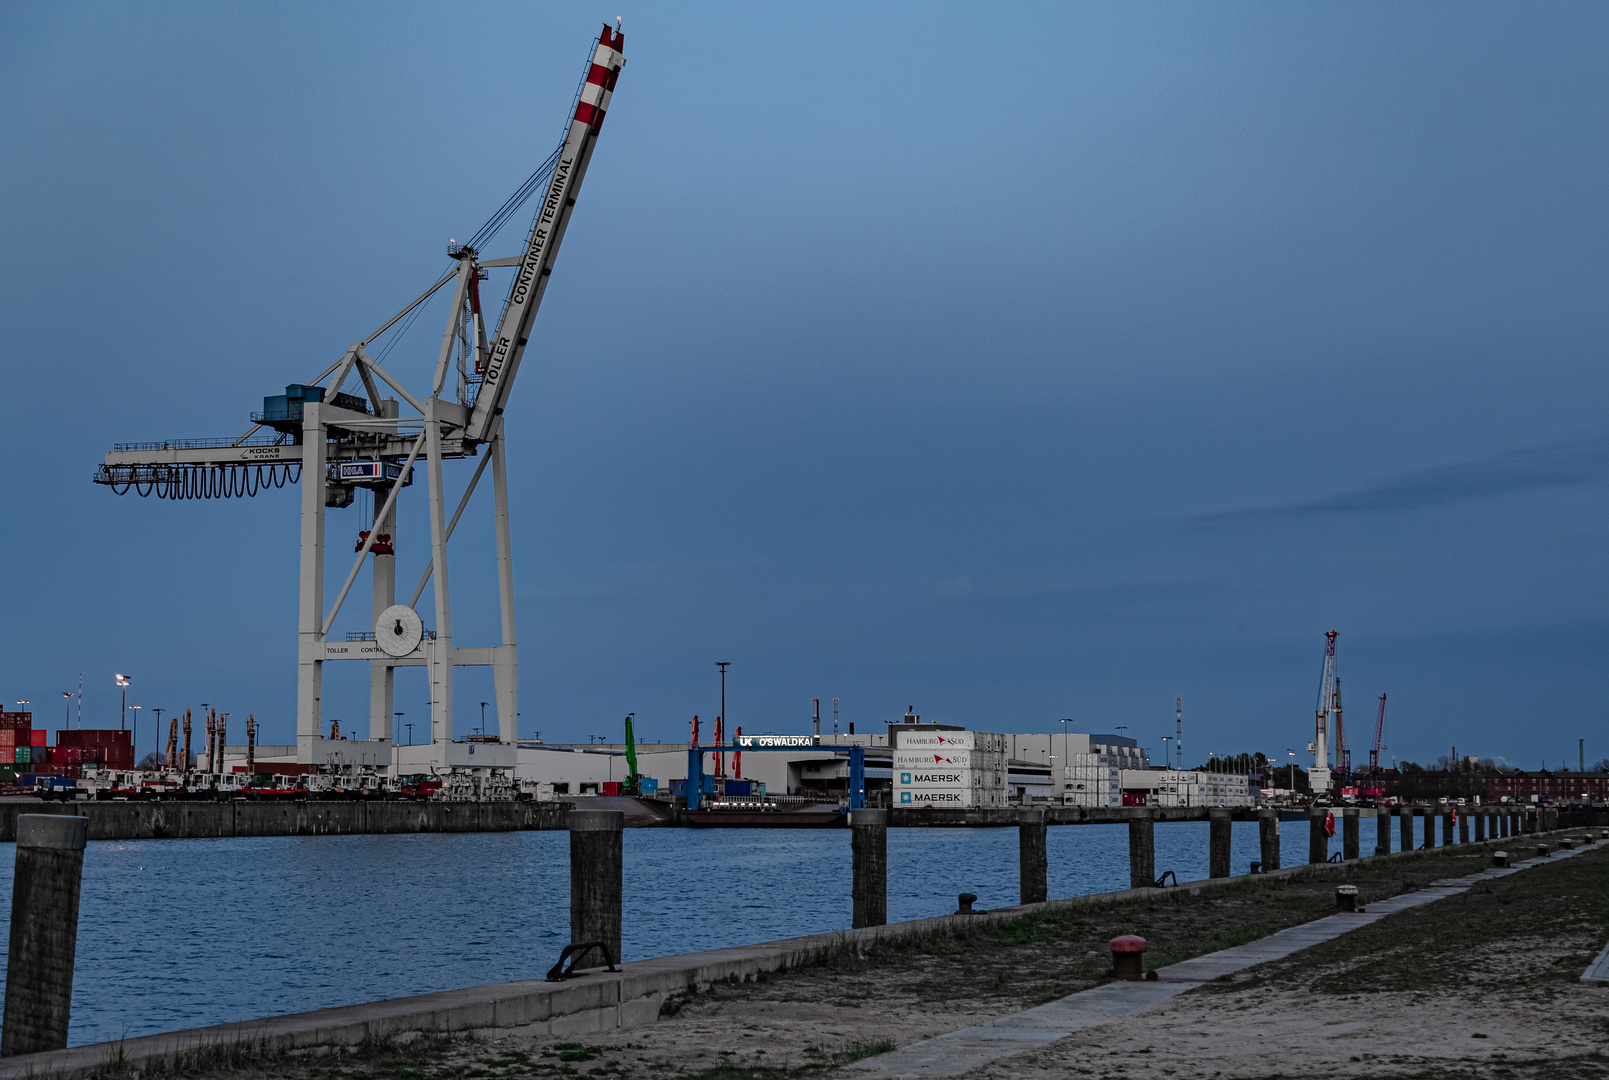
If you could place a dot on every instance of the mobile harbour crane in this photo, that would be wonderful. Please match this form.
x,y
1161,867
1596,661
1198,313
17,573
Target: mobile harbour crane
x,y
351,441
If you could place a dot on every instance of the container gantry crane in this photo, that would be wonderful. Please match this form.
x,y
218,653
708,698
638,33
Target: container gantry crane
x,y
1328,704
1374,789
335,443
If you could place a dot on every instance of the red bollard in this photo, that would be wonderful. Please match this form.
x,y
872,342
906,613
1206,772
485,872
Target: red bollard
x,y
1126,954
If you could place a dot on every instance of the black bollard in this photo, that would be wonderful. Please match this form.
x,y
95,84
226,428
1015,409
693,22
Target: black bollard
x,y
44,932
1350,844
1382,830
1035,863
868,844
1142,849
1268,838
1405,821
1318,841
596,881
1219,828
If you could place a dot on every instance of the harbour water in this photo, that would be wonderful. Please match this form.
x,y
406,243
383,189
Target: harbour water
x,y
183,933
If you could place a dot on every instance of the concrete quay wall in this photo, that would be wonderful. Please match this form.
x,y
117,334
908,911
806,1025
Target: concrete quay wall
x,y
195,819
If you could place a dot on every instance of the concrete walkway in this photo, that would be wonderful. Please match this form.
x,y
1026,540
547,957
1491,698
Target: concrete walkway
x,y
962,1051
1598,970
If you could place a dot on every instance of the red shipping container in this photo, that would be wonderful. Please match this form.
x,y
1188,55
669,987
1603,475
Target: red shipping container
x,y
36,737
8,738
1134,798
611,787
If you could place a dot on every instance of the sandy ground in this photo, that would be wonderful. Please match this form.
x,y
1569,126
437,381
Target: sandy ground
x,y
1269,1033
1486,984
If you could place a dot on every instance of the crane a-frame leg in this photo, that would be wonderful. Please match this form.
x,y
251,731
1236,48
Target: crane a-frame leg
x,y
310,600
382,675
441,648
505,660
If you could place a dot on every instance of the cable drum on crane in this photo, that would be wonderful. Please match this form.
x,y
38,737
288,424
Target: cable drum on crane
x,y
198,481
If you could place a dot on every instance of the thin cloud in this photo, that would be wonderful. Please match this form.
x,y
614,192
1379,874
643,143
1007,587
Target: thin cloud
x,y
1557,464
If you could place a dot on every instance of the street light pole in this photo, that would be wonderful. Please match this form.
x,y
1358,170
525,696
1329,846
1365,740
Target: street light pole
x,y
723,665
410,732
122,719
483,718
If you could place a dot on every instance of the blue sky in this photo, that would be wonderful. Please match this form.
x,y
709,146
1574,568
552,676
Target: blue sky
x,y
1012,363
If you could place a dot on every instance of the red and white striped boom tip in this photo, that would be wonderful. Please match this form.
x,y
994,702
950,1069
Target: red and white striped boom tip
x,y
600,85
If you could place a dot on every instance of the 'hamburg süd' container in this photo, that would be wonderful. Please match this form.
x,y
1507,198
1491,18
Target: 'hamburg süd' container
x,y
949,740
949,759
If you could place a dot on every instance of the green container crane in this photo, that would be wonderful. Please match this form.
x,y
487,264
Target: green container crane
x,y
632,779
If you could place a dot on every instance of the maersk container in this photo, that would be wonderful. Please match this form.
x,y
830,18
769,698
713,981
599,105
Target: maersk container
x,y
969,778
956,797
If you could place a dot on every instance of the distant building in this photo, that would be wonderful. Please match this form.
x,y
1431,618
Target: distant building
x,y
1544,786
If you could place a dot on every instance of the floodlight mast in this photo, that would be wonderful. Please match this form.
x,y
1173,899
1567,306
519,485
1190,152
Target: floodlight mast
x,y
338,442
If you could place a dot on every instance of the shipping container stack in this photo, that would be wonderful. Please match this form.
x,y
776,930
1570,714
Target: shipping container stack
x,y
1093,780
91,749
1214,790
965,769
1096,779
16,744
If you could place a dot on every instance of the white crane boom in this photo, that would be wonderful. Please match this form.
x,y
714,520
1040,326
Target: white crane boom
x,y
547,232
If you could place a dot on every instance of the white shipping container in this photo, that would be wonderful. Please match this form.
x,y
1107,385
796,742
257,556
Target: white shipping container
x,y
975,778
949,759
950,740
960,797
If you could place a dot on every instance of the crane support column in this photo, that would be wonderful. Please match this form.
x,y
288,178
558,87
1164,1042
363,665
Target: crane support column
x,y
440,651
310,602
382,675
505,662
